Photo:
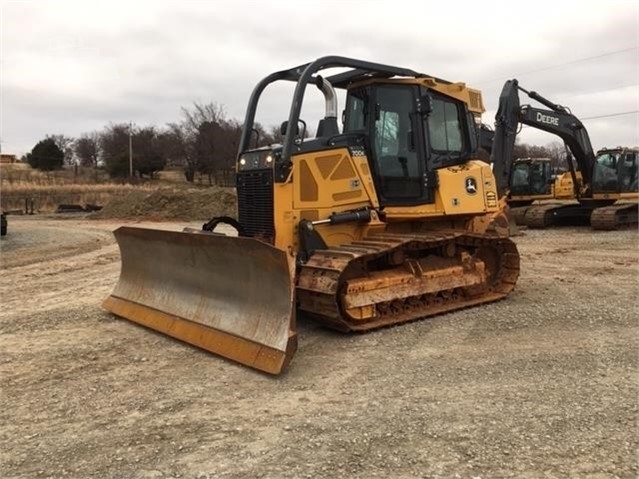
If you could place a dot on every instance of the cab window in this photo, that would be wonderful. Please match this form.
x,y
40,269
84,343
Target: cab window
x,y
444,127
629,173
520,181
355,115
395,154
605,176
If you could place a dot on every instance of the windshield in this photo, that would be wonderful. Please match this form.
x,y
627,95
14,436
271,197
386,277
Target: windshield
x,y
605,176
530,178
520,179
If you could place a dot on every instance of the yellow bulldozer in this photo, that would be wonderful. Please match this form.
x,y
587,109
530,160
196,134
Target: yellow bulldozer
x,y
388,219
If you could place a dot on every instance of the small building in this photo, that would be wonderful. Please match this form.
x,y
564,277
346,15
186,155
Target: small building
x,y
7,159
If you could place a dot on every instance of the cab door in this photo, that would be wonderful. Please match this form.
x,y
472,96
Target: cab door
x,y
398,155
628,172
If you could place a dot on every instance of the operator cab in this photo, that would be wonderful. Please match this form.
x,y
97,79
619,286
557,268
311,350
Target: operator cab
x,y
615,171
410,132
530,177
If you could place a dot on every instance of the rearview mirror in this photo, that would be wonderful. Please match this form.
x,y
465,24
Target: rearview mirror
x,y
284,128
426,104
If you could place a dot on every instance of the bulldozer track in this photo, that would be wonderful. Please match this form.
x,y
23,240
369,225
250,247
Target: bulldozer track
x,y
337,281
615,217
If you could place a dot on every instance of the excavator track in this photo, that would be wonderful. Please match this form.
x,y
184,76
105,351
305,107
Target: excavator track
x,y
518,213
540,216
387,279
559,214
615,217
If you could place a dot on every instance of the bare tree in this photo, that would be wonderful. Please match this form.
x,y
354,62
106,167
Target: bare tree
x,y
65,144
521,150
206,139
87,149
557,153
524,150
148,155
172,144
181,142
114,146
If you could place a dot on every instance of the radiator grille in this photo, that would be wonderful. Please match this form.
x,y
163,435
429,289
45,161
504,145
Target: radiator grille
x,y
255,204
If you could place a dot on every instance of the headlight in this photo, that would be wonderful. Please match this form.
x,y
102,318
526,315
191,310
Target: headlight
x,y
256,159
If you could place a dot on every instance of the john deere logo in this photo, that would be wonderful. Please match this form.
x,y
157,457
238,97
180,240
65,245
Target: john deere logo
x,y
471,185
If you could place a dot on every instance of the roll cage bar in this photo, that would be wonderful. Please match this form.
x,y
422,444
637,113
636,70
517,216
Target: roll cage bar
x,y
305,74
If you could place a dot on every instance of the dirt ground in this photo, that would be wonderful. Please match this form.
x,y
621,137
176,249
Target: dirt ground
x,y
541,385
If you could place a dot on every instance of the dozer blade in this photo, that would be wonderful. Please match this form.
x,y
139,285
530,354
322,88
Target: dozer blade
x,y
228,295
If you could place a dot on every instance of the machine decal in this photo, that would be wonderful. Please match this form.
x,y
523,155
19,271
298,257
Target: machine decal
x,y
550,120
471,185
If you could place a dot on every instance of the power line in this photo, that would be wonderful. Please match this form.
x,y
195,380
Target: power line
x,y
593,117
579,60
611,114
601,90
608,115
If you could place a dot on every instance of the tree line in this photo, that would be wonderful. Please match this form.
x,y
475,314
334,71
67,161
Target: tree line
x,y
556,151
204,142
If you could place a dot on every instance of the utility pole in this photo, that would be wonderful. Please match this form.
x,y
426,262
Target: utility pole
x,y
130,150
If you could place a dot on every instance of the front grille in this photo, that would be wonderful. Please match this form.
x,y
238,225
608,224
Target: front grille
x,y
255,204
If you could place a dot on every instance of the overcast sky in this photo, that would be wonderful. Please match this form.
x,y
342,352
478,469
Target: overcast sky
x,y
71,67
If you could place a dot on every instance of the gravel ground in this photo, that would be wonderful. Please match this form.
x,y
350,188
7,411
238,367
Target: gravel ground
x,y
541,385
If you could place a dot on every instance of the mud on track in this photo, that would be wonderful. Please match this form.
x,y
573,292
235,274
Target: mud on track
x,y
543,384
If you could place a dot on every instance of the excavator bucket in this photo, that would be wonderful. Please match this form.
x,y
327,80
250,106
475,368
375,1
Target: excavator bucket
x,y
231,296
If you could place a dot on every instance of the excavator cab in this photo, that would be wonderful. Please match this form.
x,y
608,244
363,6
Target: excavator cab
x,y
389,219
530,177
615,171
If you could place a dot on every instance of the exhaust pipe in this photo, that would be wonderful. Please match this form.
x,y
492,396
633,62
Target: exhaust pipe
x,y
329,96
328,126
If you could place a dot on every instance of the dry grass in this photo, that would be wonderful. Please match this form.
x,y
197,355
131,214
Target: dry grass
x,y
168,195
23,174
20,184
46,198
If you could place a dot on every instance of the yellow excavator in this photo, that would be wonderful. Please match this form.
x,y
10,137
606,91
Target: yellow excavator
x,y
389,219
532,180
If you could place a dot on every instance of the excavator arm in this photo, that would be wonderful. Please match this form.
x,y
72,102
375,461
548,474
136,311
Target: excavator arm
x,y
557,120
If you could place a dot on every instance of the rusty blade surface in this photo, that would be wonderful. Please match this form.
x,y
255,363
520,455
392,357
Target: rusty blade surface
x,y
232,296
